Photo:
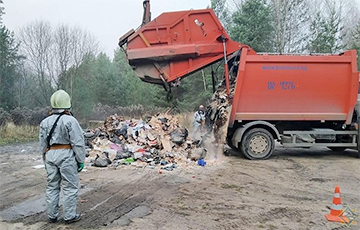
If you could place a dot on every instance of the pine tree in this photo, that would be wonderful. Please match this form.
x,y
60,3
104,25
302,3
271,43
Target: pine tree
x,y
9,59
356,42
252,26
326,34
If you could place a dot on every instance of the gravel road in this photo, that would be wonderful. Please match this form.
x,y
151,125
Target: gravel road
x,y
291,190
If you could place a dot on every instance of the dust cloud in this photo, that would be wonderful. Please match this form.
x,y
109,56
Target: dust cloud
x,y
215,149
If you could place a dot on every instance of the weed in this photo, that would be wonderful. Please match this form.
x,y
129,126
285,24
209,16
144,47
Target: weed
x,y
10,133
228,186
272,227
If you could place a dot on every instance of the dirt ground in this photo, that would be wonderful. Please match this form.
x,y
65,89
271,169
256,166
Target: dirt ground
x,y
291,190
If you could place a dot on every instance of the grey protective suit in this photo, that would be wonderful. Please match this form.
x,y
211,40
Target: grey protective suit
x,y
61,164
199,116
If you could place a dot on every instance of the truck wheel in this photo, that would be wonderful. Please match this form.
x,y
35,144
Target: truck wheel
x,y
337,149
257,144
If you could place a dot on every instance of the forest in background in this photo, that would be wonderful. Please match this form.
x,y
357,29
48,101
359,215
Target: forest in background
x,y
41,58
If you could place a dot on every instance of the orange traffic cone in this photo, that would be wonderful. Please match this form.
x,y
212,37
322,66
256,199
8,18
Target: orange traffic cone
x,y
336,209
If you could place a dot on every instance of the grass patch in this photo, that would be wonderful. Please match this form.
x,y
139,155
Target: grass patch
x,y
228,186
232,186
10,133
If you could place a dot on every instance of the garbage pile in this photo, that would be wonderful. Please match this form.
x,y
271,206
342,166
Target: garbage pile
x,y
218,113
160,141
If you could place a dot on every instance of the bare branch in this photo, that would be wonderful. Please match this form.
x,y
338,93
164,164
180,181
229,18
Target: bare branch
x,y
36,43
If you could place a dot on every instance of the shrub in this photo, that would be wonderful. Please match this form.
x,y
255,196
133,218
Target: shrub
x,y
5,117
10,133
26,116
100,112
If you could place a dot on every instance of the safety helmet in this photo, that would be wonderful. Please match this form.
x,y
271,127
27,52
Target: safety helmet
x,y
60,100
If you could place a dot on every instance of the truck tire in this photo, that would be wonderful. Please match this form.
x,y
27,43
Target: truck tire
x,y
257,144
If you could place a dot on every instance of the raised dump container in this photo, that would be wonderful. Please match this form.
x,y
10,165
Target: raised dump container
x,y
176,44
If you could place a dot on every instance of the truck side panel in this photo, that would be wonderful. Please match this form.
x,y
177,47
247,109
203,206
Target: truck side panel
x,y
282,87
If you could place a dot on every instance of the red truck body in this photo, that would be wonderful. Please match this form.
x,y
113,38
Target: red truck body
x,y
176,44
300,100
284,87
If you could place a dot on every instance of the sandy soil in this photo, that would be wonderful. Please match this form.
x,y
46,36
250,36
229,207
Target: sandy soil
x,y
291,190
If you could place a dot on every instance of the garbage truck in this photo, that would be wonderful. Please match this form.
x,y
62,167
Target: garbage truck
x,y
296,100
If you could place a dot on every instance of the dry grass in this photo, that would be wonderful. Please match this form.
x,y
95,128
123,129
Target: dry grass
x,y
10,133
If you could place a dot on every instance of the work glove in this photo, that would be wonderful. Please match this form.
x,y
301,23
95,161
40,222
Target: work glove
x,y
80,166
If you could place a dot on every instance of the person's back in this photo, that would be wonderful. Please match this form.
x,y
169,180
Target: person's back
x,y
67,131
63,148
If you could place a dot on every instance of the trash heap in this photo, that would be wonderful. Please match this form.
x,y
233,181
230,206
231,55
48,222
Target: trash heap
x,y
160,141
218,114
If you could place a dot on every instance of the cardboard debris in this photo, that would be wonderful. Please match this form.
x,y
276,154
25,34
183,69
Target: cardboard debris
x,y
166,144
136,142
160,140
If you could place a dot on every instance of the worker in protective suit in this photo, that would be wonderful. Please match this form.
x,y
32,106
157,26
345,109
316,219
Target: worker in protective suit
x,y
199,122
63,148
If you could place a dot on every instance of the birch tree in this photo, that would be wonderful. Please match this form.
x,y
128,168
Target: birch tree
x,y
36,45
290,20
351,24
222,12
70,47
355,44
50,53
1,11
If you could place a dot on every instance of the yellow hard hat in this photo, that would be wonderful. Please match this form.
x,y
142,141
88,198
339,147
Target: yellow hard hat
x,y
60,100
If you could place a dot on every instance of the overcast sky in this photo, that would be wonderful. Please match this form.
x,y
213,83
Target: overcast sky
x,y
107,20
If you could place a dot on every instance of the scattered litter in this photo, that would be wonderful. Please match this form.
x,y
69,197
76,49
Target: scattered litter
x,y
102,161
39,166
178,136
201,162
170,167
197,153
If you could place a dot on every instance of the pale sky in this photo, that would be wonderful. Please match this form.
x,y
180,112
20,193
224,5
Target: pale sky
x,y
107,20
